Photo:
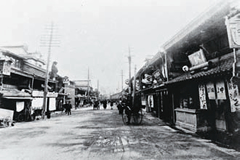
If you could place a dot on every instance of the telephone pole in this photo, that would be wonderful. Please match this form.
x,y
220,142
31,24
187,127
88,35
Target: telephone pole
x,y
97,89
129,61
122,78
134,84
48,42
88,80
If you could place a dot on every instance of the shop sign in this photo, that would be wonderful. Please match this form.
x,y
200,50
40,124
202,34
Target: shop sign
x,y
211,90
233,31
157,74
37,93
220,89
6,68
197,58
202,96
234,97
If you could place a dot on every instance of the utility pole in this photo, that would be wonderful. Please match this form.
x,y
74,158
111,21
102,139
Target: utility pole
x,y
129,61
97,89
51,43
122,78
88,87
134,85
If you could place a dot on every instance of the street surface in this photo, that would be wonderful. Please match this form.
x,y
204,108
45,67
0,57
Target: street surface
x,y
90,134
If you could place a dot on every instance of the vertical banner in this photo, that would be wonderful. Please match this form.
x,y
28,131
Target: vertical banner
x,y
52,104
143,99
202,96
234,97
220,89
211,90
150,101
19,106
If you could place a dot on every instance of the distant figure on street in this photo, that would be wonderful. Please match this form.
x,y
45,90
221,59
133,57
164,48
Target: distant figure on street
x,y
68,108
120,107
128,108
105,104
111,104
96,104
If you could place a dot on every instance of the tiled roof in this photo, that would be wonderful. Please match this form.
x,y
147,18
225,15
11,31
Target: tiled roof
x,y
219,66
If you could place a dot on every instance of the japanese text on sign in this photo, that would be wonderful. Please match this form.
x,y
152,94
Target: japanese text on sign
x,y
202,96
234,97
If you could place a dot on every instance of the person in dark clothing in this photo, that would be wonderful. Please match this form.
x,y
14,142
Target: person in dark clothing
x,y
120,107
69,107
105,104
111,104
128,108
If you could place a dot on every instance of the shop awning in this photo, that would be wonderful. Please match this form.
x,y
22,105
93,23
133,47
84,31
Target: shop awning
x,y
15,94
220,66
21,98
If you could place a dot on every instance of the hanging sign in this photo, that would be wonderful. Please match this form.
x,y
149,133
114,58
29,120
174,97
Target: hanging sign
x,y
197,58
211,90
6,70
202,96
233,31
234,97
220,88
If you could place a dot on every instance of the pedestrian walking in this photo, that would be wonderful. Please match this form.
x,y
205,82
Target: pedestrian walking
x,y
69,107
120,107
111,104
105,104
128,108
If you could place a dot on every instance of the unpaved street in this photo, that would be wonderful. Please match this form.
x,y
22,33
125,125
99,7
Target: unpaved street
x,y
100,134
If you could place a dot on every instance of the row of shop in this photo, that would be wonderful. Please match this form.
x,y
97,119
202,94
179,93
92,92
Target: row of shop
x,y
194,82
22,83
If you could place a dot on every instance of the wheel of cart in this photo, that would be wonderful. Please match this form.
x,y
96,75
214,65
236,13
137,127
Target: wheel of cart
x,y
135,116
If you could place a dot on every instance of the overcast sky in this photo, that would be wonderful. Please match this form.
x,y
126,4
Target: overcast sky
x,y
97,34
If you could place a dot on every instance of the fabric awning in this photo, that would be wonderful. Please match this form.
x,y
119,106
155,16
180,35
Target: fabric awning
x,y
20,98
15,94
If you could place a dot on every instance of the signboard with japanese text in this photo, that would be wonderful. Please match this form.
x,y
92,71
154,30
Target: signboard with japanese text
x,y
220,89
6,68
233,31
202,96
234,96
211,90
197,58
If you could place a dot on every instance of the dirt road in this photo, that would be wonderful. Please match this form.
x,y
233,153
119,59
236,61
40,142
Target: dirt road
x,y
90,134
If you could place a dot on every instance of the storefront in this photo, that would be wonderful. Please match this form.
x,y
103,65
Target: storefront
x,y
202,100
17,101
37,102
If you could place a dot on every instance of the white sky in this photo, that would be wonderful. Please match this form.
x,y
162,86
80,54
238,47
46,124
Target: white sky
x,y
97,33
